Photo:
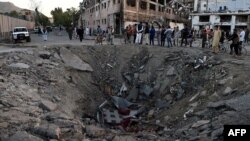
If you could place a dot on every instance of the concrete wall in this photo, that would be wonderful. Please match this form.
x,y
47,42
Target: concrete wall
x,y
8,23
102,14
232,5
215,19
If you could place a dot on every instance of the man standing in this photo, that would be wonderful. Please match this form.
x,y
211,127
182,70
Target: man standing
x,y
87,31
242,38
184,35
146,36
216,40
235,43
168,34
246,35
80,33
45,34
69,29
152,35
110,34
139,30
163,36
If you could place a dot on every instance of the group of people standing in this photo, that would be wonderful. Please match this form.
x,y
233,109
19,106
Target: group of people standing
x,y
140,33
217,36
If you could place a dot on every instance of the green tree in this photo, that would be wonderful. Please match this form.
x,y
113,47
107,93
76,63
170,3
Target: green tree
x,y
14,14
58,16
41,19
67,18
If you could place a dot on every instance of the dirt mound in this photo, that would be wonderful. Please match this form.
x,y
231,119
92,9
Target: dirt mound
x,y
120,92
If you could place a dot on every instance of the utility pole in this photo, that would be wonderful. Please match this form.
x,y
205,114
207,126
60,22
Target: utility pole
x,y
207,6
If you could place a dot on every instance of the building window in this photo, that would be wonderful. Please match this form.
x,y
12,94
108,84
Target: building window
x,y
204,19
113,1
119,1
108,3
105,5
225,18
131,3
161,2
152,7
143,5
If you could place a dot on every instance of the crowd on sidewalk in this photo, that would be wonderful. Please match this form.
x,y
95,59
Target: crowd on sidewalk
x,y
169,37
165,36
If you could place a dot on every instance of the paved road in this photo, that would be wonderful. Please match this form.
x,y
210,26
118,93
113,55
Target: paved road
x,y
55,39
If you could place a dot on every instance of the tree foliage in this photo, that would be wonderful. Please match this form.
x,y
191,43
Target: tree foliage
x,y
67,18
41,19
58,16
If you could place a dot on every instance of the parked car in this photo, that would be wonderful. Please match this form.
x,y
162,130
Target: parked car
x,y
49,28
20,33
36,29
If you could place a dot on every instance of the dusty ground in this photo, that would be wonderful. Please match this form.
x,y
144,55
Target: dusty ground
x,y
49,96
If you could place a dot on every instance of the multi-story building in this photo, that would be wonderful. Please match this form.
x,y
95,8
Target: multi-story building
x,y
120,13
27,14
229,14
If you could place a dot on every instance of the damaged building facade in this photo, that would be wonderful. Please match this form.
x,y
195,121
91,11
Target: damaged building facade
x,y
120,13
229,14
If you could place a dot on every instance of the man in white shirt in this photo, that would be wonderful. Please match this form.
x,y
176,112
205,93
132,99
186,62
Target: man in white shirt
x,y
242,38
139,30
87,31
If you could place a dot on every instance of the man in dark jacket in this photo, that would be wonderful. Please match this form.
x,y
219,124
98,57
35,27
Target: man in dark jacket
x,y
246,35
184,35
235,42
80,33
163,36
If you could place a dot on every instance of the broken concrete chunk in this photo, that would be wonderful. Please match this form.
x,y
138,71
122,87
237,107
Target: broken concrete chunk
x,y
200,123
161,104
47,105
94,131
228,90
23,136
19,65
48,130
146,89
194,97
44,54
124,138
73,61
216,105
224,81
133,94
121,102
171,71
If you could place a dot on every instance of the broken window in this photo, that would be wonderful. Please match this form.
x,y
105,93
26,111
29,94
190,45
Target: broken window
x,y
152,7
204,19
131,3
143,5
161,2
160,9
241,18
225,18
